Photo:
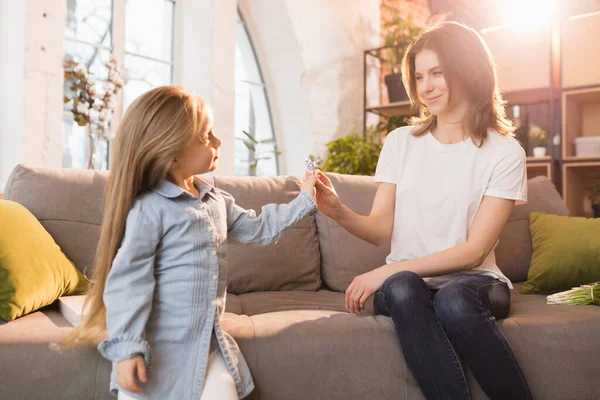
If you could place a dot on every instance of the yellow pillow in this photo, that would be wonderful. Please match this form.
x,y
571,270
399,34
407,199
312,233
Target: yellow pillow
x,y
34,272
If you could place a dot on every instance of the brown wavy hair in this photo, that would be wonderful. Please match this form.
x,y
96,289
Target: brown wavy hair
x,y
156,126
465,60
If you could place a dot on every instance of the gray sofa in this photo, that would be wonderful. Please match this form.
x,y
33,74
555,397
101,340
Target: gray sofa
x,y
286,303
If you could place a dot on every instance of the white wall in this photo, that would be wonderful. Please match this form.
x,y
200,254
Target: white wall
x,y
12,85
311,56
31,83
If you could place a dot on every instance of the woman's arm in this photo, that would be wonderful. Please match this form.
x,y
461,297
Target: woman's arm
x,y
375,228
490,220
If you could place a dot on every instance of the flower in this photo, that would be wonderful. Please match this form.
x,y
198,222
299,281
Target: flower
x,y
310,165
90,104
582,295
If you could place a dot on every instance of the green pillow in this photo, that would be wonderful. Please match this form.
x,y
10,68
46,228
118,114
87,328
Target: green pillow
x,y
566,253
34,272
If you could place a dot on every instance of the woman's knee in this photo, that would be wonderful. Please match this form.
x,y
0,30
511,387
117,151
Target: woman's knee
x,y
403,287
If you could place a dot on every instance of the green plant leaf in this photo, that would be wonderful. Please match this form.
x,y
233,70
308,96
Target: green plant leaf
x,y
249,145
250,137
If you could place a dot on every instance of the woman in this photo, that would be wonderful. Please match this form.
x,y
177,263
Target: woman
x,y
447,186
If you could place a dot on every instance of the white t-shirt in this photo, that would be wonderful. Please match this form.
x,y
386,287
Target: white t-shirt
x,y
439,188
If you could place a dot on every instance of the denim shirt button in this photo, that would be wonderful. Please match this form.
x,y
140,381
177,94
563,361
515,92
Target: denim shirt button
x,y
215,277
209,229
214,252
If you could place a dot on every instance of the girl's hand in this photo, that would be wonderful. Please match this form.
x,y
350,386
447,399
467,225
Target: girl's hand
x,y
327,199
362,287
127,370
308,184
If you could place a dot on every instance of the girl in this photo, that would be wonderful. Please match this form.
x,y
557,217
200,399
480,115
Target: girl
x,y
447,188
159,285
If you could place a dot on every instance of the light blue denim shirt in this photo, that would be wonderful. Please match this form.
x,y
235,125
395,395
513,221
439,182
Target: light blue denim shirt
x,y
165,292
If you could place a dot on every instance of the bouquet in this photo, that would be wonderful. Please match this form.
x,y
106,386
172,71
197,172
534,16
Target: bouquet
x,y
579,296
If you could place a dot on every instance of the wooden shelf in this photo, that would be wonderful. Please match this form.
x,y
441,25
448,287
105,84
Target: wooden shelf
x,y
538,159
580,117
576,178
530,96
539,169
393,109
580,63
581,159
522,58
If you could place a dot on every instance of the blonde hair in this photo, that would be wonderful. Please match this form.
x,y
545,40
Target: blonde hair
x,y
466,61
156,126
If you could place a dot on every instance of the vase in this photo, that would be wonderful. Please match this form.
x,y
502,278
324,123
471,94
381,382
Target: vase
x,y
395,88
539,152
596,209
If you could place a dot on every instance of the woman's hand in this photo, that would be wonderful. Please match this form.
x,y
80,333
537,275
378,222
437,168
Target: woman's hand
x,y
127,370
327,199
362,287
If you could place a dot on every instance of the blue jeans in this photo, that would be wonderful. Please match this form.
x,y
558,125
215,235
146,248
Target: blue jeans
x,y
439,330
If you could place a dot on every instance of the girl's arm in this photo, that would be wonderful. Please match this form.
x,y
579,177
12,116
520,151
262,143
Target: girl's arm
x,y
375,228
243,226
130,287
490,220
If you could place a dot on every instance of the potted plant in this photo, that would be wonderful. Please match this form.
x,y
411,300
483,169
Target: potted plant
x,y
399,33
594,197
537,136
354,154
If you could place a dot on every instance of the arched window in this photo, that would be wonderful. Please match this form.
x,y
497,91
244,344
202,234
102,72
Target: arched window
x,y
139,33
255,147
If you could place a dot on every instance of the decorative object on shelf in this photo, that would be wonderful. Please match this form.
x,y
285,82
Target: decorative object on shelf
x,y
578,296
254,146
399,33
587,146
92,106
354,154
594,197
537,137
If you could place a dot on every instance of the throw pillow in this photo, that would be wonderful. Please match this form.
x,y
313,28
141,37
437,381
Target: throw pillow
x,y
34,272
566,253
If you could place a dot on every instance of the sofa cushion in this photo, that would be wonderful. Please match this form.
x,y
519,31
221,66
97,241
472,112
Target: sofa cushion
x,y
34,272
566,253
293,263
30,369
513,253
68,203
556,345
343,256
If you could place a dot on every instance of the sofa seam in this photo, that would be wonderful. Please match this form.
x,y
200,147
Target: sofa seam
x,y
96,380
68,220
330,244
255,356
